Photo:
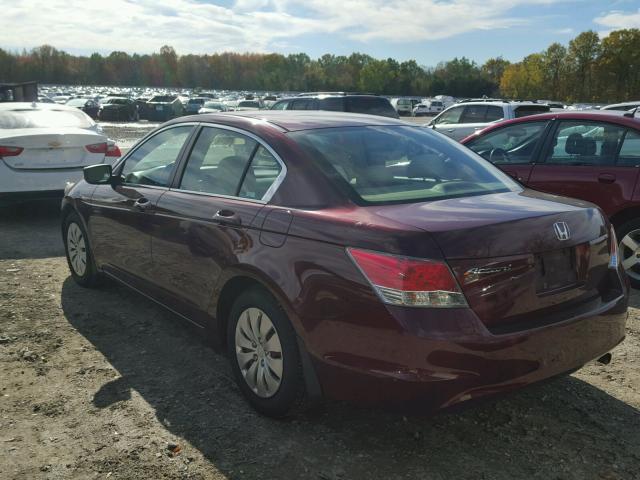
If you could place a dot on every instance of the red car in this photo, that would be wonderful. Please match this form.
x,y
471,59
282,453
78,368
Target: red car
x,y
593,156
352,257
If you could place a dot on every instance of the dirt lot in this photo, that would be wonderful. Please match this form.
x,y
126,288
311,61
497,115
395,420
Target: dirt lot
x,y
99,383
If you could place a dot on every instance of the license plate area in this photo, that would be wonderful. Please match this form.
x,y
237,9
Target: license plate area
x,y
556,270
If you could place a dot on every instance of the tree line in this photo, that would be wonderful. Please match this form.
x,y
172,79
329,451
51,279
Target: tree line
x,y
589,69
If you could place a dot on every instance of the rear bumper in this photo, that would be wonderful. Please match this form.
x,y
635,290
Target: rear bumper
x,y
443,359
16,181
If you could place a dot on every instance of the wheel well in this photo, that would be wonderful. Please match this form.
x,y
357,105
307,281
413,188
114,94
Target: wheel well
x,y
624,216
231,290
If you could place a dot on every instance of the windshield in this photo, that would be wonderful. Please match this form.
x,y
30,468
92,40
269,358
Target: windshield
x,y
44,119
248,103
163,99
401,164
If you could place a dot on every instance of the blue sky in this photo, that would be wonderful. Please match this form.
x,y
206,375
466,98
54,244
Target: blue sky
x,y
428,31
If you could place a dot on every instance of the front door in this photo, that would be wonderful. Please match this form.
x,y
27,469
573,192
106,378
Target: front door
x,y
122,215
581,161
205,224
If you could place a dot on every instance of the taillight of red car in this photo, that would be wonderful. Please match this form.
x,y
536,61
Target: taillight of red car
x,y
409,282
6,151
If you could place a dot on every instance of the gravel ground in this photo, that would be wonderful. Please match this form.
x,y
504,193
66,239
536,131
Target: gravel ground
x,y
105,384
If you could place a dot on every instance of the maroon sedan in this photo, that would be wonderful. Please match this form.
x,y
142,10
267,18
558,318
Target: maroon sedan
x,y
352,257
592,156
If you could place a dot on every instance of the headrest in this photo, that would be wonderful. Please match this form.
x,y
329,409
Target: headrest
x,y
575,145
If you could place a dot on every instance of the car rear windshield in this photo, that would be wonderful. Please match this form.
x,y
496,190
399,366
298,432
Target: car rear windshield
x,y
398,164
48,118
524,110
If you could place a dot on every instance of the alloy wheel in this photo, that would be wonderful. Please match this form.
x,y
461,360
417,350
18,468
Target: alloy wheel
x,y
77,249
259,352
629,249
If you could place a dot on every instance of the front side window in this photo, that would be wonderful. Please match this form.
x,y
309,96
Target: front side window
x,y
218,162
153,162
397,164
493,113
333,104
585,143
509,145
450,116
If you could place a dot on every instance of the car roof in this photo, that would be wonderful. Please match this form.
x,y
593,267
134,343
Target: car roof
x,y
607,115
292,120
631,104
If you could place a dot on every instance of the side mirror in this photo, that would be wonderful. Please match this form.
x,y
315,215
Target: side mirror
x,y
98,174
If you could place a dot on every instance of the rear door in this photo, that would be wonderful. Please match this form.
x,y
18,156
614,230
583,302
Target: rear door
x,y
120,222
513,148
206,223
581,161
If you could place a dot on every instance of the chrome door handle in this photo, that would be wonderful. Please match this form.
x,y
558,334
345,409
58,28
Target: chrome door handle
x,y
227,217
142,203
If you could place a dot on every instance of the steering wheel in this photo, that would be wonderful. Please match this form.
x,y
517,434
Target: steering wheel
x,y
498,152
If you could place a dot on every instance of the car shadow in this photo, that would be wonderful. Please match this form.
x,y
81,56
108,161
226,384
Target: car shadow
x,y
562,429
31,230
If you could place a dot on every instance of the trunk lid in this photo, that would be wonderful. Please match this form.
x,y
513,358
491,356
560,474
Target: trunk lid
x,y
45,148
508,255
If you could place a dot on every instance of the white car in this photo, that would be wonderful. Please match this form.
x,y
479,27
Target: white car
x,y
464,118
44,146
624,107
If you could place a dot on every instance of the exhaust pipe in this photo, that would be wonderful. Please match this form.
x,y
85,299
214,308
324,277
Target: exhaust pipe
x,y
605,359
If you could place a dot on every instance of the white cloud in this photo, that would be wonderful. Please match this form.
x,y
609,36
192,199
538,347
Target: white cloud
x,y
193,26
616,20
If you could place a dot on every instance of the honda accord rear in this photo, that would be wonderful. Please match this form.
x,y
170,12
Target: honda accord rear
x,y
353,257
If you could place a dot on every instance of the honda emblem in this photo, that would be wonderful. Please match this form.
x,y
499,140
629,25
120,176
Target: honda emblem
x,y
562,231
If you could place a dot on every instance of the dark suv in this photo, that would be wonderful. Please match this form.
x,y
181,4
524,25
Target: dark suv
x,y
369,104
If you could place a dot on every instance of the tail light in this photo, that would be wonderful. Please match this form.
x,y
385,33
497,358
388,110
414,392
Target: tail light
x,y
10,151
409,282
109,150
614,257
113,151
97,147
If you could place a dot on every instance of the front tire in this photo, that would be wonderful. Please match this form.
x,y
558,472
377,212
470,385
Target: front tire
x,y
264,354
79,257
629,250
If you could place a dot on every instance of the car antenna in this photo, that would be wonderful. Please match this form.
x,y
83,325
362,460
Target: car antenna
x,y
631,113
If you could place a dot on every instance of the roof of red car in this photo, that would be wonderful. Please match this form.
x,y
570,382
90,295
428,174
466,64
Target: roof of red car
x,y
292,120
608,115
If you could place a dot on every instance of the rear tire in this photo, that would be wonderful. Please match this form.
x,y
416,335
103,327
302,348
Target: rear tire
x,y
264,354
79,257
629,250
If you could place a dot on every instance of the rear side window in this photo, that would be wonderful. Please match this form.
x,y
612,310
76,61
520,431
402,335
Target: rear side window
x,y
514,144
303,104
585,143
630,150
371,105
493,113
524,110
217,162
261,174
332,104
